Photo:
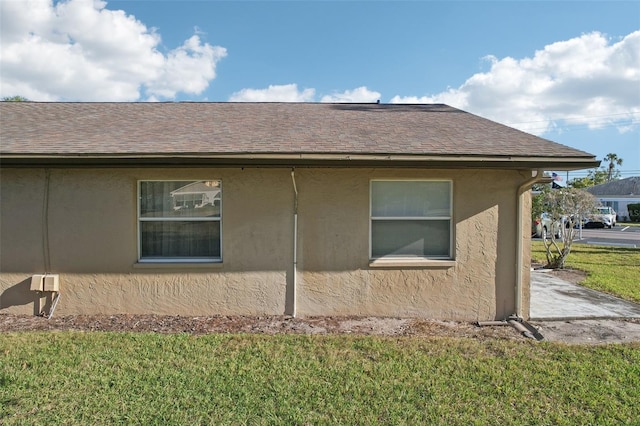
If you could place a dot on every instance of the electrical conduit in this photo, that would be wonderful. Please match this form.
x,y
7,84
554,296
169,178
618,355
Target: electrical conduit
x,y
295,241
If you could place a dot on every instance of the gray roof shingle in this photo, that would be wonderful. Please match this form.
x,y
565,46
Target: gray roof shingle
x,y
210,129
623,187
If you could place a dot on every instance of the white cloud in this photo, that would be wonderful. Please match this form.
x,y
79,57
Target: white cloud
x,y
79,50
189,68
291,93
585,80
274,93
361,94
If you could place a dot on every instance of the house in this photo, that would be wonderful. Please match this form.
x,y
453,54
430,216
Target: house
x,y
618,194
196,195
267,209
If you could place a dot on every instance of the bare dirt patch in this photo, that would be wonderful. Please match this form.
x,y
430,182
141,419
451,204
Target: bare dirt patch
x,y
257,324
576,332
570,275
591,331
573,276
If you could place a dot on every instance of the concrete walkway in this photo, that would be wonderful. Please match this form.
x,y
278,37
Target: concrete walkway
x,y
553,298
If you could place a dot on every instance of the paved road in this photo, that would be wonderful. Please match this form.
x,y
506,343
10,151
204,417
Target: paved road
x,y
620,235
624,236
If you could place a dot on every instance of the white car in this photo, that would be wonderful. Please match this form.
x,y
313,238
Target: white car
x,y
606,218
543,226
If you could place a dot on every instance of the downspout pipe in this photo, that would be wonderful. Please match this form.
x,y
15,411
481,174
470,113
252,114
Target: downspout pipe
x,y
537,176
295,242
524,328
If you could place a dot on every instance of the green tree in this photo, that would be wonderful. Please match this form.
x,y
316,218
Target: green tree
x,y
594,177
15,99
537,200
600,175
613,161
566,206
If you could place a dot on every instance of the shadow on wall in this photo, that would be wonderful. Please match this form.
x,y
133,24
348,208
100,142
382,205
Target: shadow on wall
x,y
21,294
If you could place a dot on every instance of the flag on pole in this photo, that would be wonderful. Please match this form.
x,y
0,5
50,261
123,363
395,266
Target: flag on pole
x,y
557,181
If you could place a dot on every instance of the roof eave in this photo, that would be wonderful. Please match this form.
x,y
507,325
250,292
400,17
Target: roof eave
x,y
298,159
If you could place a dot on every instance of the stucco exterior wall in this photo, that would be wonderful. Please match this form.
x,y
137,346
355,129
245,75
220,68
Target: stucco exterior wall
x,y
335,273
82,224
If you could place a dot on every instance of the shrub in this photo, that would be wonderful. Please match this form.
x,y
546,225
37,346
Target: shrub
x,y
566,206
634,212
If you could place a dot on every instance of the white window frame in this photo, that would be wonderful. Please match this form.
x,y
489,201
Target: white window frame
x,y
372,218
176,219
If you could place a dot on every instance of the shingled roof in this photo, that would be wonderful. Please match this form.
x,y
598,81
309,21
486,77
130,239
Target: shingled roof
x,y
623,187
270,133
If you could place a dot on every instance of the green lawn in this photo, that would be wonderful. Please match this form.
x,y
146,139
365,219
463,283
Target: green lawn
x,y
97,378
75,378
615,270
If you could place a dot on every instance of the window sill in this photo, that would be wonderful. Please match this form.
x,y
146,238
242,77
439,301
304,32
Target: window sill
x,y
177,265
412,263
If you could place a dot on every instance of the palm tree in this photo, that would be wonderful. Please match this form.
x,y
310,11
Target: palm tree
x,y
613,160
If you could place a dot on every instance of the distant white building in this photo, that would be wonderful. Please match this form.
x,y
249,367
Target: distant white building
x,y
196,194
618,194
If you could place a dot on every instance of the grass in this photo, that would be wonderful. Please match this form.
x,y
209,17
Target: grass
x,y
76,378
614,270
621,224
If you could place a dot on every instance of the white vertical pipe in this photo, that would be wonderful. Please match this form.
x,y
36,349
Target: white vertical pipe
x,y
45,222
295,241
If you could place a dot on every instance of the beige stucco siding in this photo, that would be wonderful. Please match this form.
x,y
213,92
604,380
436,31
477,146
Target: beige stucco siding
x,y
335,276
92,244
82,224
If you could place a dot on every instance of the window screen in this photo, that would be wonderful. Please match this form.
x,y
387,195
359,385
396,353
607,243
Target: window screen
x,y
411,219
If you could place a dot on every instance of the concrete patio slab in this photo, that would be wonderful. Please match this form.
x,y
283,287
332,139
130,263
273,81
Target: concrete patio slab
x,y
553,298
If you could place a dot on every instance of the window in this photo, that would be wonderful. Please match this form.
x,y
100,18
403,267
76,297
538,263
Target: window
x,y
179,221
410,219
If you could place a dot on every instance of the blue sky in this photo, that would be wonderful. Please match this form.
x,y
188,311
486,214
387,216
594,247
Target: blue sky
x,y
566,71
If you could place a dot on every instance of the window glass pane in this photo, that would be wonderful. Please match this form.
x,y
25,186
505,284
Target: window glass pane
x,y
410,199
177,239
180,199
402,238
